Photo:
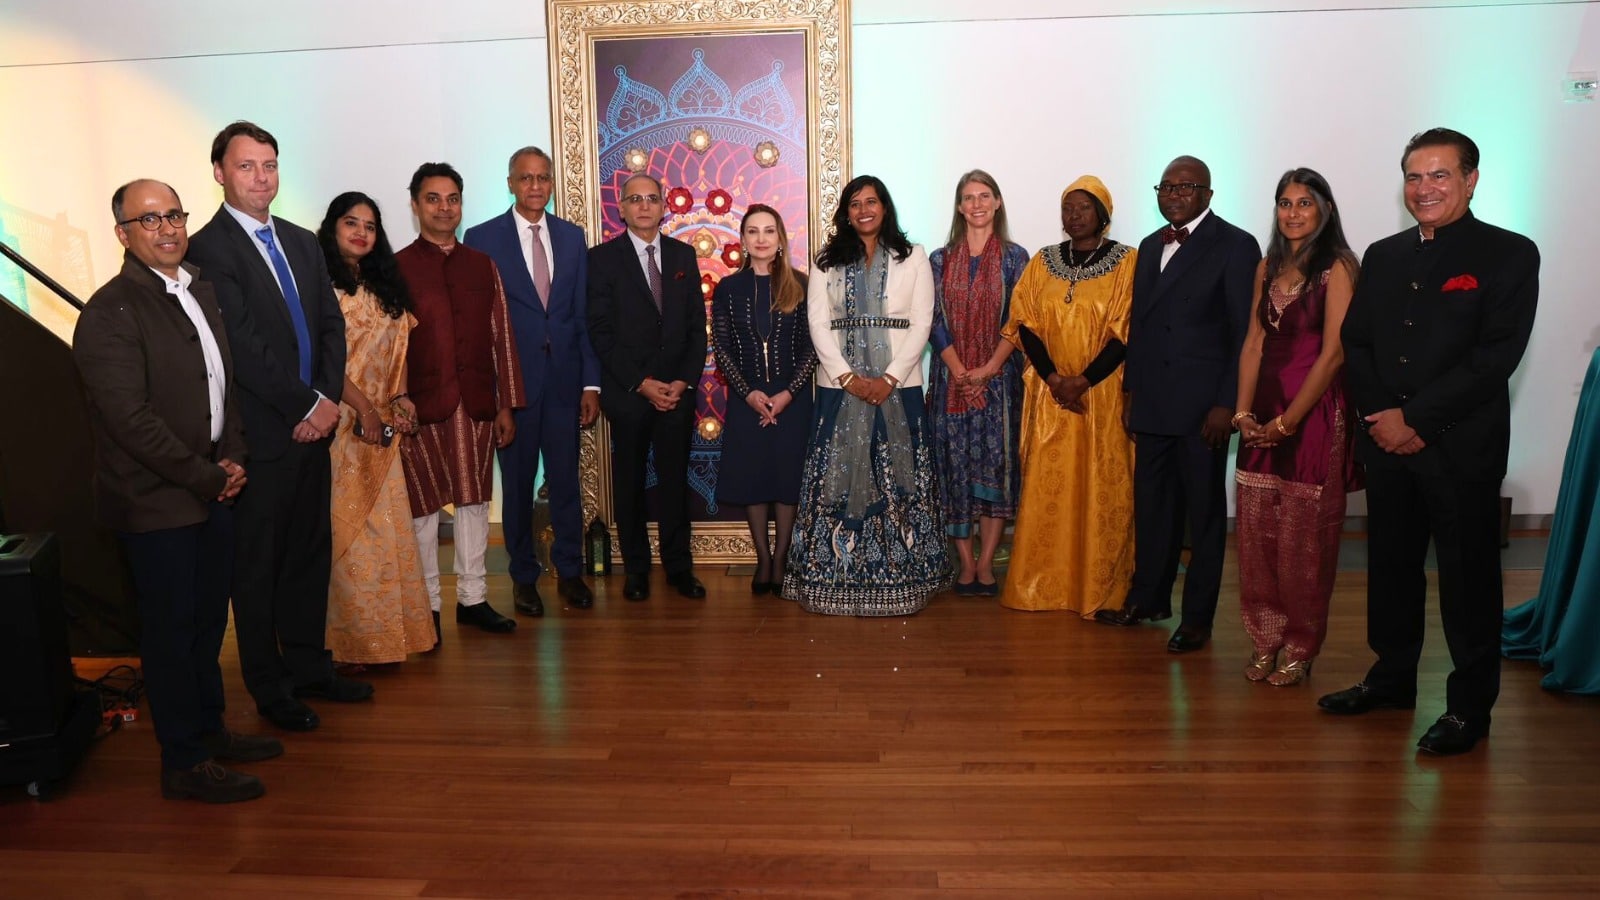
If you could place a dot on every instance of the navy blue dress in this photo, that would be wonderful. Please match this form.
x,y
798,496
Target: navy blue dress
x,y
759,349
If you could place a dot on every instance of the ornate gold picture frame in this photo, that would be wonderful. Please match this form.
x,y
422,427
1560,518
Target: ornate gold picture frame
x,y
735,69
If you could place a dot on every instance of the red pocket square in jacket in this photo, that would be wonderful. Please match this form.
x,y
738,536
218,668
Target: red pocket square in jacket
x,y
679,276
1461,283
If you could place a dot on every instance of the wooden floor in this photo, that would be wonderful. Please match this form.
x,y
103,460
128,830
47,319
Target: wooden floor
x,y
738,747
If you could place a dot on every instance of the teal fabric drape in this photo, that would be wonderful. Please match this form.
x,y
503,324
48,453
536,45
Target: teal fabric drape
x,y
1561,626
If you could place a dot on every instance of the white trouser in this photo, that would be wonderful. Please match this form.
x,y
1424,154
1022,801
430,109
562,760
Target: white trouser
x,y
471,543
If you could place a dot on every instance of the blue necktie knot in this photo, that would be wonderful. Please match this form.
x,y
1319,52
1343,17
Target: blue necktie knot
x,y
291,299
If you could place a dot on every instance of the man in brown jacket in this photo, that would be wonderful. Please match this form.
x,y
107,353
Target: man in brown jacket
x,y
168,444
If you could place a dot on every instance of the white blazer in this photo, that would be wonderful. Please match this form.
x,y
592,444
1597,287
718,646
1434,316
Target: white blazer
x,y
910,296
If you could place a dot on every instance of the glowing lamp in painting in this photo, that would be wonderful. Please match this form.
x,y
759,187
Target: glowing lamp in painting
x,y
766,154
732,255
709,427
679,200
704,244
699,139
636,159
708,283
719,201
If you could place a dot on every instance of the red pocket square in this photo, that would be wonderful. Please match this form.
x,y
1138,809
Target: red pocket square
x,y
1461,283
679,276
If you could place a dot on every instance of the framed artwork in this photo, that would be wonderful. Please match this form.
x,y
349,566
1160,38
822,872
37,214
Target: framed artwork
x,y
728,103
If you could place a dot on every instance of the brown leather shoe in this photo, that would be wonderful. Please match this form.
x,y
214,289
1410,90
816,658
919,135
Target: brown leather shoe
x,y
236,747
209,782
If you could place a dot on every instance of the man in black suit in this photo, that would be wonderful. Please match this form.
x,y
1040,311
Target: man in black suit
x,y
1191,306
287,335
168,446
647,321
1439,320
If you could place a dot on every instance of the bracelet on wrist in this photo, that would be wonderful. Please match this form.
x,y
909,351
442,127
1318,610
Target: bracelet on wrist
x,y
1284,429
1241,416
845,379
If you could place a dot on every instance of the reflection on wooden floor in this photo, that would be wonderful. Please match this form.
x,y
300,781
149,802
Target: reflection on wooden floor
x,y
739,747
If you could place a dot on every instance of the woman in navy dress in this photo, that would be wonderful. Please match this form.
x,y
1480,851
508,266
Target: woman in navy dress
x,y
763,348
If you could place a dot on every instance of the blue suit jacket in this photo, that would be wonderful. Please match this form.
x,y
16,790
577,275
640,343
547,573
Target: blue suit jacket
x,y
553,343
1187,327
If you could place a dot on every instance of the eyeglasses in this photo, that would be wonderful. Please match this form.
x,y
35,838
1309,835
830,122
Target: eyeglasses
x,y
539,178
152,221
1181,189
651,199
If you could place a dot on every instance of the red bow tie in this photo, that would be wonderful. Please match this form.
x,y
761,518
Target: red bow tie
x,y
1170,234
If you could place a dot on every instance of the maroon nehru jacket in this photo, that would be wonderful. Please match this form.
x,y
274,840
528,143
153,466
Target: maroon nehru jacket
x,y
452,354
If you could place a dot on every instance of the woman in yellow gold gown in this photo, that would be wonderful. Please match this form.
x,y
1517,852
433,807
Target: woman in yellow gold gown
x,y
377,605
1073,544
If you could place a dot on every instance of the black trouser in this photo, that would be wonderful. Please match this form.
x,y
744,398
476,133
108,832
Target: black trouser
x,y
1405,509
180,576
636,431
1175,477
280,583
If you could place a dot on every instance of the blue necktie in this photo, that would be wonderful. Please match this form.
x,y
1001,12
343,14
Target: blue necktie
x,y
291,298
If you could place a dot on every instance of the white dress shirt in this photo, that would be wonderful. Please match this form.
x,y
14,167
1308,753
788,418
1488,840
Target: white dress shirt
x,y
216,375
525,238
1168,250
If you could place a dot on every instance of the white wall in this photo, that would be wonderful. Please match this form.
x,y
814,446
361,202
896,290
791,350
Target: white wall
x,y
1035,91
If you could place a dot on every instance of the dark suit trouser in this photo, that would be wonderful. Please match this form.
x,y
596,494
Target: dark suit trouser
x,y
181,577
550,427
634,434
1405,509
280,582
1174,475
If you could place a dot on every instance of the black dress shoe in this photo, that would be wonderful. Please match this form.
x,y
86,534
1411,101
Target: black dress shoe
x,y
338,689
209,782
484,616
1363,698
687,585
636,587
1125,617
575,592
525,597
438,636
290,715
759,588
1451,735
1188,639
241,747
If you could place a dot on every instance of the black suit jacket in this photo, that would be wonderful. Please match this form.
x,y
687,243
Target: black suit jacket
x,y
273,399
145,374
1187,326
631,339
1436,329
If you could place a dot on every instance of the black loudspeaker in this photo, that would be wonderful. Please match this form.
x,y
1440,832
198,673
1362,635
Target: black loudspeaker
x,y
45,723
36,684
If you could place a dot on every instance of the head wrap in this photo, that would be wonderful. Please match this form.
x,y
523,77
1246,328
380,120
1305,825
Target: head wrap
x,y
1093,187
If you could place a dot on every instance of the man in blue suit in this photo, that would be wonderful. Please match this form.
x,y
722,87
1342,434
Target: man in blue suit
x,y
544,265
1191,305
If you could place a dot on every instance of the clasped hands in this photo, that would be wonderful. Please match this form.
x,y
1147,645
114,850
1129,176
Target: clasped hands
x,y
768,407
973,384
1390,432
871,390
236,480
664,396
1068,391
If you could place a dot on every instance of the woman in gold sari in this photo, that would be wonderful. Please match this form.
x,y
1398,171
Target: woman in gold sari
x,y
1073,544
377,606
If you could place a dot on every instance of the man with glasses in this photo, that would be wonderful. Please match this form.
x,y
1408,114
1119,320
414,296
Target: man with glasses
x,y
287,334
544,267
647,320
169,444
1440,319
464,379
1191,304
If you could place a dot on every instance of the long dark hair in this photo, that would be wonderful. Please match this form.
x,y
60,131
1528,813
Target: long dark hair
x,y
379,271
844,246
1325,248
788,285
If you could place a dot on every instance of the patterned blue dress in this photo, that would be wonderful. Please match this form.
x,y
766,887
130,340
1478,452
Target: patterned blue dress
x,y
975,451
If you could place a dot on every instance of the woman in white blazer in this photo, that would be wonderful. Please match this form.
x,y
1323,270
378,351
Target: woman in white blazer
x,y
869,535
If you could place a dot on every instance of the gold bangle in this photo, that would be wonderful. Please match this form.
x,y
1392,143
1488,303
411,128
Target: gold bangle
x,y
893,381
846,378
1241,416
1282,428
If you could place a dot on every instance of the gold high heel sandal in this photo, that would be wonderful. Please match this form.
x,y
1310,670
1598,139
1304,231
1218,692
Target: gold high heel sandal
x,y
1290,673
1260,666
